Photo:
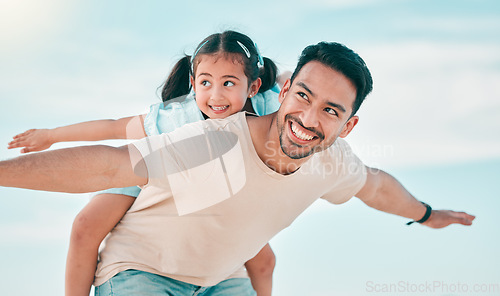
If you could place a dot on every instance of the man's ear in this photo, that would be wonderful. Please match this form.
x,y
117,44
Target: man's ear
x,y
254,87
284,90
349,125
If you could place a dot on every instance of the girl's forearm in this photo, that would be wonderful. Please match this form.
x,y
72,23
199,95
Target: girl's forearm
x,y
41,139
97,130
85,131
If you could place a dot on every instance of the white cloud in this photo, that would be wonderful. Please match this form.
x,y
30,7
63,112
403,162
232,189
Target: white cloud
x,y
341,4
448,24
432,102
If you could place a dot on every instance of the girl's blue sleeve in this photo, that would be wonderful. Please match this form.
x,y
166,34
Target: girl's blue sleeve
x,y
165,117
266,102
130,191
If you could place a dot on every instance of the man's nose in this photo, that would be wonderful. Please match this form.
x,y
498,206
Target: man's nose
x,y
309,117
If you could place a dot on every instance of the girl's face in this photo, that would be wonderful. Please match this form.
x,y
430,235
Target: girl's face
x,y
221,86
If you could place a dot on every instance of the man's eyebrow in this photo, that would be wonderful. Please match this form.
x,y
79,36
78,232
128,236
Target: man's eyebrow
x,y
337,106
304,86
332,104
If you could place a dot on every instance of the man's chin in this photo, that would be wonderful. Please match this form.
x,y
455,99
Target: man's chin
x,y
296,153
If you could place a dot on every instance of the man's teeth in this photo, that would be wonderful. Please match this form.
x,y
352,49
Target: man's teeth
x,y
219,108
300,134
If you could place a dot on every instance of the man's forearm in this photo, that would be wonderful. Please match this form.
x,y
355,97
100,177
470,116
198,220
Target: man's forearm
x,y
73,170
383,192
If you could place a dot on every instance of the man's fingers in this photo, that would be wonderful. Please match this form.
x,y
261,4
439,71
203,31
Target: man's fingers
x,y
464,218
444,218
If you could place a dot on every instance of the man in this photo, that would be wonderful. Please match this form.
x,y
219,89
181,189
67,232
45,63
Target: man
x,y
217,191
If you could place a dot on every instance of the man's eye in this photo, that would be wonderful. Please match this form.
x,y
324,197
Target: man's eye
x,y
205,83
331,111
228,83
303,95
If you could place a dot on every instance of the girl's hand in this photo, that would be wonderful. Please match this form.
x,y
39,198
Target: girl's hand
x,y
32,140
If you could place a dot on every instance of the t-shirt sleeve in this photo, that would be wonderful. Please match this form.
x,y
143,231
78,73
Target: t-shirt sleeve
x,y
156,158
350,174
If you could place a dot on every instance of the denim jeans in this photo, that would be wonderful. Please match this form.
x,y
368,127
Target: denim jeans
x,y
136,282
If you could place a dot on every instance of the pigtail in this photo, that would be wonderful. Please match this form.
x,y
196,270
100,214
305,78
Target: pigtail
x,y
268,75
178,82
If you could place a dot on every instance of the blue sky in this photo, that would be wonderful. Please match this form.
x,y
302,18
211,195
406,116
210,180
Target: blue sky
x,y
436,69
435,63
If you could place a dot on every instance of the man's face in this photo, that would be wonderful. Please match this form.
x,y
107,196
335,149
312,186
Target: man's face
x,y
315,110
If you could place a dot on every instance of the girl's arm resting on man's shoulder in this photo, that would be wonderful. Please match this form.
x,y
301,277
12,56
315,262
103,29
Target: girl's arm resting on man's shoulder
x,y
383,192
75,170
41,139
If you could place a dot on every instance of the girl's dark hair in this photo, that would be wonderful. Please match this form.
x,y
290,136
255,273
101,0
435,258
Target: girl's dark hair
x,y
177,83
231,44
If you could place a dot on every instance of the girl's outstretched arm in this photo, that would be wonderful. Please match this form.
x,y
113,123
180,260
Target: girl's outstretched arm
x,y
41,139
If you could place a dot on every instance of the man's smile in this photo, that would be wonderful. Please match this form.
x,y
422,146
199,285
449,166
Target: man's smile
x,y
301,135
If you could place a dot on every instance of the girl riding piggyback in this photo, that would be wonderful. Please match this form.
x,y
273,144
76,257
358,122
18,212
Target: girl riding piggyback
x,y
226,74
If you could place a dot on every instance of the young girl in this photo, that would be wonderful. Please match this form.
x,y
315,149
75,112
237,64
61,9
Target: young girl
x,y
224,71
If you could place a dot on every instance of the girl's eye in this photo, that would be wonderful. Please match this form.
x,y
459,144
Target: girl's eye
x,y
205,83
331,111
228,83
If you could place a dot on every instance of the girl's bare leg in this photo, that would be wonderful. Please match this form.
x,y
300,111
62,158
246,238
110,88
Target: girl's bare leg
x,y
90,227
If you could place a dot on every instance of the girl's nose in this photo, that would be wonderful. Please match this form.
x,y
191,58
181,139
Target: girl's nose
x,y
217,94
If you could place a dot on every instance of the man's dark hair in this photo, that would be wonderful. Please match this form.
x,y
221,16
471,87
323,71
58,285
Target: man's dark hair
x,y
343,60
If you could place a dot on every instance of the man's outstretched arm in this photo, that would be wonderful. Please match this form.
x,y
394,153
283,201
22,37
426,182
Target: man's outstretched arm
x,y
383,192
75,170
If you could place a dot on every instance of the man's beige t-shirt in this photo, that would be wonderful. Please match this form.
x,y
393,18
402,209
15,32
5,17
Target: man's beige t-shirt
x,y
211,204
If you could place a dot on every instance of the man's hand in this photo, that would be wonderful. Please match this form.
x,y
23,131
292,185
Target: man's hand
x,y
443,218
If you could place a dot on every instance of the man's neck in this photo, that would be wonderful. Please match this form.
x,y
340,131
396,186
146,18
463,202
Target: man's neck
x,y
265,138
